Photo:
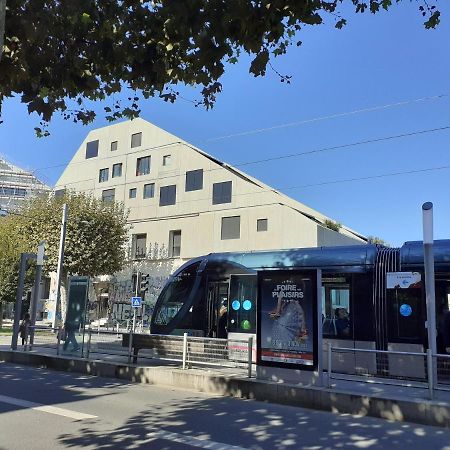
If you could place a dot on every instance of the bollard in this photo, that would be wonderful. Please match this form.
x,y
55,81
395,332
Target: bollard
x,y
329,354
130,346
430,373
88,351
184,350
58,343
118,329
250,356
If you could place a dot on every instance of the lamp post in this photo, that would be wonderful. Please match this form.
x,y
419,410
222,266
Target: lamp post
x,y
60,263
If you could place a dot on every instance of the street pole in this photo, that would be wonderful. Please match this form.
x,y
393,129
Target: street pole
x,y
36,289
427,216
19,294
62,240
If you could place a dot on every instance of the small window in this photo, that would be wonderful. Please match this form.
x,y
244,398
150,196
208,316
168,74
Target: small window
x,y
261,225
136,140
166,160
194,180
103,175
108,195
143,166
231,227
92,149
60,193
167,195
113,146
117,170
222,192
175,243
132,193
139,242
149,190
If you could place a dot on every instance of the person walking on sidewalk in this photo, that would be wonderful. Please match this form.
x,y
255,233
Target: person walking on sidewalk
x,y
24,329
70,328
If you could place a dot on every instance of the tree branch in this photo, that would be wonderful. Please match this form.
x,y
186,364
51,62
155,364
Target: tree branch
x,y
2,24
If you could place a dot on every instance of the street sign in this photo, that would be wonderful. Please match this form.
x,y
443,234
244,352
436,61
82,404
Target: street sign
x,y
136,302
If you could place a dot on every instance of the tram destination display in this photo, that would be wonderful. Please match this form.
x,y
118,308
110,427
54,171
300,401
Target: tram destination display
x,y
287,309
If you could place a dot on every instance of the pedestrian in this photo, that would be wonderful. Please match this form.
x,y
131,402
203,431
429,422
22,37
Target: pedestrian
x,y
24,329
70,328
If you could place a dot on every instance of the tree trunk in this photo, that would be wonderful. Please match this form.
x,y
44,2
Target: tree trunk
x,y
1,314
2,24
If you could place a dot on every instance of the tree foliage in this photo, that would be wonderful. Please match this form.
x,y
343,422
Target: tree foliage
x,y
96,233
377,240
58,54
332,225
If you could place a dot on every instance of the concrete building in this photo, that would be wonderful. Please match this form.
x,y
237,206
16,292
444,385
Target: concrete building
x,y
16,185
184,203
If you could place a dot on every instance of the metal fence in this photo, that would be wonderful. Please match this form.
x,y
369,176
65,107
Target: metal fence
x,y
412,369
43,337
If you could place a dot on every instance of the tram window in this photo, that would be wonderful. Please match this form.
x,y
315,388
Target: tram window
x,y
336,307
242,310
175,295
404,314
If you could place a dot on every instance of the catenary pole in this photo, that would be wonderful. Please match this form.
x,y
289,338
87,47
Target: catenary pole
x,y
427,216
62,241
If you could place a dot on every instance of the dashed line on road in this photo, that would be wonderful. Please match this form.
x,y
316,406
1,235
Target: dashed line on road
x,y
45,408
192,441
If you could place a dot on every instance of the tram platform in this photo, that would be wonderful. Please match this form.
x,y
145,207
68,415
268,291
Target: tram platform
x,y
370,397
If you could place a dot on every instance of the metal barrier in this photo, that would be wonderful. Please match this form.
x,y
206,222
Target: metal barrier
x,y
43,337
412,369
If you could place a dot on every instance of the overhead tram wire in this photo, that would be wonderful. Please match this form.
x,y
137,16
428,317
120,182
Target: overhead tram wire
x,y
282,189
328,117
276,158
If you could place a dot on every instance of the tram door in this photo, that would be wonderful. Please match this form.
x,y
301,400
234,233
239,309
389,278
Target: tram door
x,y
217,297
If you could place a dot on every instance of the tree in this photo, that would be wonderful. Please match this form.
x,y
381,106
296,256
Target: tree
x,y
11,245
59,54
332,225
96,234
377,240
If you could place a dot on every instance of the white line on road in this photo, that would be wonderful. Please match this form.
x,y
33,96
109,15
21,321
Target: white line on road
x,y
45,408
194,442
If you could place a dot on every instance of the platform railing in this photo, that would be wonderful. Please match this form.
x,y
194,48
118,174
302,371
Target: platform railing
x,y
411,369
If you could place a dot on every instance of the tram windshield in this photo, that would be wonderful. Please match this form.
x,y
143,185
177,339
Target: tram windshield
x,y
176,294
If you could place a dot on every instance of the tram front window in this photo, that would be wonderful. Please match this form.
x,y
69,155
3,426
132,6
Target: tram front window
x,y
176,294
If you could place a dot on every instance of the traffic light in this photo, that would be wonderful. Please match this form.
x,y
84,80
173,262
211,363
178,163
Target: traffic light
x,y
143,285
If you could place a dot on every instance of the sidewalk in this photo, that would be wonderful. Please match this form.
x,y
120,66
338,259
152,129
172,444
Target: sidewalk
x,y
351,396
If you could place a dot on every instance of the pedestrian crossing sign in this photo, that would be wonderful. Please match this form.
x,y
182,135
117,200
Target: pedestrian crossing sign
x,y
136,302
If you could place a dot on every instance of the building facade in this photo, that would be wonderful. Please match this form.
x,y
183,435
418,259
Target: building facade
x,y
184,203
16,185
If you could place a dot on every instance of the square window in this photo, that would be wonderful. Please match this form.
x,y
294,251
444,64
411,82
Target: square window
x,y
92,149
132,193
167,195
231,227
143,166
261,225
166,160
136,140
103,175
149,190
175,243
108,195
117,170
222,192
194,180
113,146
139,242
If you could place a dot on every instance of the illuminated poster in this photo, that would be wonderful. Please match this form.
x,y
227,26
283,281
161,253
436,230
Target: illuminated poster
x,y
287,310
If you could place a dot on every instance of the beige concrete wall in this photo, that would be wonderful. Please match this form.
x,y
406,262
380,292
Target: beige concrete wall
x,y
194,213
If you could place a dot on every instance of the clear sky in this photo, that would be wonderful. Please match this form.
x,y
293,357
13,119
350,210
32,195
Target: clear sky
x,y
375,60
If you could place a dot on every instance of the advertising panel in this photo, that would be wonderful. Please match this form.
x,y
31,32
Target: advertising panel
x,y
287,310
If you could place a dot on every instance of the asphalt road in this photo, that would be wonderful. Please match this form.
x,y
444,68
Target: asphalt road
x,y
42,409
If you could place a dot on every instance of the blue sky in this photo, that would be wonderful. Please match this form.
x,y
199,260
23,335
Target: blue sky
x,y
375,60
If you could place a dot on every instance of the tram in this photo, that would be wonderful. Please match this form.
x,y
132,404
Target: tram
x,y
353,287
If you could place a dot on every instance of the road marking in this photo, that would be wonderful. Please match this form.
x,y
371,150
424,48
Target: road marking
x,y
194,442
45,408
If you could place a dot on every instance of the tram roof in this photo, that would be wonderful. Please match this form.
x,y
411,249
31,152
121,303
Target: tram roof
x,y
412,252
351,255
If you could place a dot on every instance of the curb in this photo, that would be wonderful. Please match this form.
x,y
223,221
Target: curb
x,y
425,412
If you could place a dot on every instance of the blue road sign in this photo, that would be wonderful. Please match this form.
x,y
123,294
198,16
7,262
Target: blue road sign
x,y
136,302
